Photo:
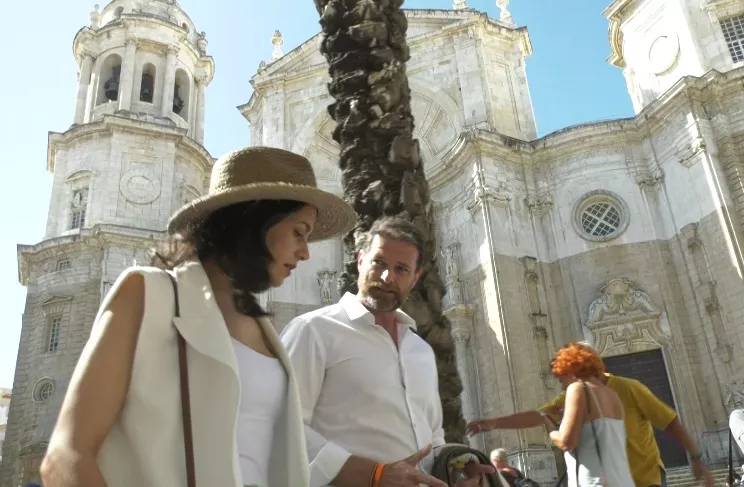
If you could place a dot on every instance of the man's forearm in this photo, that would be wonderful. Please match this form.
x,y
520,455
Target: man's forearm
x,y
521,420
676,429
356,472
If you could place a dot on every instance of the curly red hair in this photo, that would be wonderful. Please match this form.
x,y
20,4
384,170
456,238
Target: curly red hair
x,y
577,360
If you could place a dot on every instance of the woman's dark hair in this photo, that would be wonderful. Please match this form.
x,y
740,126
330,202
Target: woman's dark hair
x,y
235,238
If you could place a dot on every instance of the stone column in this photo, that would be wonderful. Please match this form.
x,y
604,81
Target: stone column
x,y
460,318
169,81
127,75
200,106
83,84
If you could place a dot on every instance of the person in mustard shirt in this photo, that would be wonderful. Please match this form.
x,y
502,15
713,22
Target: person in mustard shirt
x,y
643,411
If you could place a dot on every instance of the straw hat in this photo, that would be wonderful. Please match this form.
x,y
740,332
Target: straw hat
x,y
265,173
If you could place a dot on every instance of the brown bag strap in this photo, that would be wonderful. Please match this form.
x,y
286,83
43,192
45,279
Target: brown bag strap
x,y
185,403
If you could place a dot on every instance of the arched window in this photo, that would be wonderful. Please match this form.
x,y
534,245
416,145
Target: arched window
x,y
78,186
147,85
185,27
118,12
181,92
108,79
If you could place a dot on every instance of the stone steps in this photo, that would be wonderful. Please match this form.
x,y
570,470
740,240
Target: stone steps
x,y
682,477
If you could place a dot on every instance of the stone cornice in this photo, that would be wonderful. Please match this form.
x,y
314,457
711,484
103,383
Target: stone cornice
x,y
109,124
613,14
98,236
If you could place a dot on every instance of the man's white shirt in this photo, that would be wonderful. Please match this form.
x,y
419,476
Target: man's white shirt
x,y
360,394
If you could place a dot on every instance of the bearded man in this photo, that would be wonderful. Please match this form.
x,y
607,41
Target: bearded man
x,y
368,383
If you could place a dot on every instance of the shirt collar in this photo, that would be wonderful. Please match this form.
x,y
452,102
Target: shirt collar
x,y
357,312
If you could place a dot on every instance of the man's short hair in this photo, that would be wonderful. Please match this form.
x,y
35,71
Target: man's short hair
x,y
500,455
395,228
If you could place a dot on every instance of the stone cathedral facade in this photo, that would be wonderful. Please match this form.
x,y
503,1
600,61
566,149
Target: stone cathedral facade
x,y
626,233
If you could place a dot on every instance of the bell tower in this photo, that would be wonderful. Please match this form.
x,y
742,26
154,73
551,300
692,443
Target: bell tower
x,y
130,65
658,42
133,154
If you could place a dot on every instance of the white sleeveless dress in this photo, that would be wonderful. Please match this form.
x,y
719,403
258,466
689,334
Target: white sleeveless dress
x,y
613,470
263,384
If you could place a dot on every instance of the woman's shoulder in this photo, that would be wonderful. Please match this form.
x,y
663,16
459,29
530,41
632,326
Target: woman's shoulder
x,y
138,281
148,273
575,388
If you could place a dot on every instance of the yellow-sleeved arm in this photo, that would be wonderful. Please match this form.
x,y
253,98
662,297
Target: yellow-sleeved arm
x,y
554,408
652,408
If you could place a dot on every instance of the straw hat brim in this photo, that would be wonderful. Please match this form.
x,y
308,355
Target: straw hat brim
x,y
335,216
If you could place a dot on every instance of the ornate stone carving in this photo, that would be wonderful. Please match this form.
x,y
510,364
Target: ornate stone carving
x,y
451,256
459,5
482,193
619,298
650,180
139,186
540,203
201,43
687,155
277,41
325,279
624,319
691,236
506,16
460,334
95,17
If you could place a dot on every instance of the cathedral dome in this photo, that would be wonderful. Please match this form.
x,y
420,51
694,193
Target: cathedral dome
x,y
167,10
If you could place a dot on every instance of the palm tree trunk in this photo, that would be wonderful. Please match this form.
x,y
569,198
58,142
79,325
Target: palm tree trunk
x,y
364,42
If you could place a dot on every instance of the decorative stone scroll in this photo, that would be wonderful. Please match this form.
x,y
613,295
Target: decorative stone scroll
x,y
624,320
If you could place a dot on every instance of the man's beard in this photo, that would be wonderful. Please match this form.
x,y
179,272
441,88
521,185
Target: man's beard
x,y
378,297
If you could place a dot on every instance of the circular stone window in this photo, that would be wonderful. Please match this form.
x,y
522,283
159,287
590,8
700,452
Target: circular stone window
x,y
43,390
600,216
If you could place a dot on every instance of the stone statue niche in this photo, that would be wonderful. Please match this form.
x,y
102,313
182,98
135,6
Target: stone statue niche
x,y
325,281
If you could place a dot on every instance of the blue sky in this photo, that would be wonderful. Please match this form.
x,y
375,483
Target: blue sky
x,y
569,79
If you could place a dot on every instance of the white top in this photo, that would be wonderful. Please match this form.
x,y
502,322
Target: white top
x,y
263,385
613,469
359,393
736,423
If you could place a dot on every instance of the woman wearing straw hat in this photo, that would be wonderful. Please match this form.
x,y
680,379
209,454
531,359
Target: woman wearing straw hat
x,y
183,380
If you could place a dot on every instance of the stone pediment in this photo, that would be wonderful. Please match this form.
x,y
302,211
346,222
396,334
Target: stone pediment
x,y
624,319
55,304
307,55
51,301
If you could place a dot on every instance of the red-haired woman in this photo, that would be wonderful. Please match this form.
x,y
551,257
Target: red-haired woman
x,y
592,433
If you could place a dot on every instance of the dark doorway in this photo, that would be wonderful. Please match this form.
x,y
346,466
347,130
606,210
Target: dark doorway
x,y
649,368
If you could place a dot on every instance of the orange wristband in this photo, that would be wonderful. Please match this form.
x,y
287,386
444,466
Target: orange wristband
x,y
377,475
372,475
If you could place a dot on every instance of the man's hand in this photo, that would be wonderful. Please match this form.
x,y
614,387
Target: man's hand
x,y
701,473
479,426
471,482
405,474
473,470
